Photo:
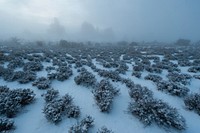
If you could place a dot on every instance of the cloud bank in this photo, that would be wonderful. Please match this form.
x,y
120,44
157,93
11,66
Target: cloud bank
x,y
100,20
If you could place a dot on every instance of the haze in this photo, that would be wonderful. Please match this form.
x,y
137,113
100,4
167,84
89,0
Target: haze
x,y
100,20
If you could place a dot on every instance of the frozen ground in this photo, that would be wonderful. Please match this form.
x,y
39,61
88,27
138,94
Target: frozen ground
x,y
32,120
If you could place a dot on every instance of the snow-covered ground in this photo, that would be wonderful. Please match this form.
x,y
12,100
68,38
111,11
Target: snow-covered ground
x,y
32,119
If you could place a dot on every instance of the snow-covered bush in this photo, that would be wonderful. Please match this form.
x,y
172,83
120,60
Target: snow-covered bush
x,y
192,102
196,76
78,64
63,73
146,62
153,69
50,68
179,77
122,68
56,108
104,130
17,75
106,64
149,69
157,70
53,111
139,92
184,63
27,96
129,83
196,62
52,76
69,108
9,104
149,110
6,125
85,78
33,66
137,74
138,68
83,126
27,77
152,77
172,88
72,111
194,69
7,74
50,95
114,64
17,62
11,101
113,75
173,69
104,95
42,83
4,89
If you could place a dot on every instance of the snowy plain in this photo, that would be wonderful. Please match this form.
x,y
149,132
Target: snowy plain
x,y
32,120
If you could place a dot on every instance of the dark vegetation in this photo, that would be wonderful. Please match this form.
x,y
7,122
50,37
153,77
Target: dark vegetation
x,y
150,110
56,108
11,103
104,95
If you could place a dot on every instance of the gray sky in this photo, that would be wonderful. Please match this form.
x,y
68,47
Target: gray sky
x,y
98,20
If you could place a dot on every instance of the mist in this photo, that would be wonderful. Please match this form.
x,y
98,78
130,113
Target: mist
x,y
89,20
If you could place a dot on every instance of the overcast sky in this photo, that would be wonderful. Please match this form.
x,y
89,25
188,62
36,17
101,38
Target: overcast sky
x,y
98,20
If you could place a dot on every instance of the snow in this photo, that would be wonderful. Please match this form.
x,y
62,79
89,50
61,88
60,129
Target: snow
x,y
32,120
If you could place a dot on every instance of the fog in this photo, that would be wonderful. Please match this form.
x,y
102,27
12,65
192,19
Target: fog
x,y
100,20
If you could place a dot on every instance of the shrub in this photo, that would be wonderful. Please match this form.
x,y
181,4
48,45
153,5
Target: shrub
x,y
17,62
106,64
4,89
52,76
83,126
33,66
152,77
181,78
138,68
27,95
192,102
27,77
17,75
55,108
49,68
194,69
110,74
152,110
85,78
104,130
72,111
172,88
129,83
53,111
104,95
7,74
63,73
153,69
139,92
69,108
11,101
6,124
50,95
196,76
122,68
42,83
137,74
